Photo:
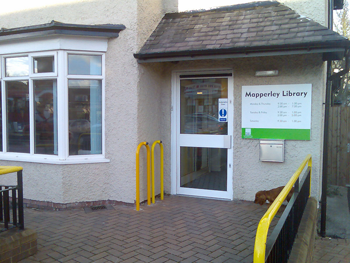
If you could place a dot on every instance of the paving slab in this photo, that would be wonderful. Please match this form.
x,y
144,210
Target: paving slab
x,y
331,250
177,229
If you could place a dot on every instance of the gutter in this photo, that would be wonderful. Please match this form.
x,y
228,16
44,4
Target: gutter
x,y
307,48
241,55
58,28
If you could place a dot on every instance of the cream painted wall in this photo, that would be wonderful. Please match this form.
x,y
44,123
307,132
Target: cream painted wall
x,y
314,9
317,10
114,180
249,174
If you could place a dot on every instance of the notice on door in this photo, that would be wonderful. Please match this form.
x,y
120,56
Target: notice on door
x,y
276,112
222,110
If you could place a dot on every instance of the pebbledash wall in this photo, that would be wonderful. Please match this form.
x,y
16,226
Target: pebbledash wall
x,y
115,178
138,106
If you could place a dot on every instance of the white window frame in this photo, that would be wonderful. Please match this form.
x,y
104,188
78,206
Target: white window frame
x,y
61,75
42,54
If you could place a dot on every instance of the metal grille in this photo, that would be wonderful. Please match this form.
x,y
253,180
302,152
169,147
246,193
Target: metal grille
x,y
98,207
279,245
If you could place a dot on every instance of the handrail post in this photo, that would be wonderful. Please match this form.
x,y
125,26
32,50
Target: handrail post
x,y
309,164
161,171
20,199
138,175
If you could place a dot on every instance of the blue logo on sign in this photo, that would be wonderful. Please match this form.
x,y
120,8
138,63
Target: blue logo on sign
x,y
222,113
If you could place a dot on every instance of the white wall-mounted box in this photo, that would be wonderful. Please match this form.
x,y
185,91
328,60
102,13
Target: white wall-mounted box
x,y
271,151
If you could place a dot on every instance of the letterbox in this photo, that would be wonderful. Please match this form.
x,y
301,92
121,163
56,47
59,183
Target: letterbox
x,y
271,151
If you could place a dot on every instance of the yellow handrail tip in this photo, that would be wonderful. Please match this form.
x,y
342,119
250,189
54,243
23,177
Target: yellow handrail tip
x,y
10,169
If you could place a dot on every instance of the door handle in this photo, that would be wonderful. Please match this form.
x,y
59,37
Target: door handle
x,y
227,141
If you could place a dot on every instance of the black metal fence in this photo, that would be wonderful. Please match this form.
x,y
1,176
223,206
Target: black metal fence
x,y
280,243
11,205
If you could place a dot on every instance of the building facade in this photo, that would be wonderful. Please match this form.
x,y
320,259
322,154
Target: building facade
x,y
84,82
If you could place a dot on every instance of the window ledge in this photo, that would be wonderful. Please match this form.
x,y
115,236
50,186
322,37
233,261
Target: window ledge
x,y
53,159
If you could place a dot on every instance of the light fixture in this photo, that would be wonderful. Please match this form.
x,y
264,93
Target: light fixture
x,y
266,73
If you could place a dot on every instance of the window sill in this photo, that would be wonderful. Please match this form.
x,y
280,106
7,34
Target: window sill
x,y
84,159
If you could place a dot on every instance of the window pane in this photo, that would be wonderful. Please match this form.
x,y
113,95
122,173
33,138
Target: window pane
x,y
45,105
16,67
84,65
85,117
17,97
199,106
43,64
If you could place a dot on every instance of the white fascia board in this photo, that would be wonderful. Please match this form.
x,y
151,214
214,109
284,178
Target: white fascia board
x,y
54,43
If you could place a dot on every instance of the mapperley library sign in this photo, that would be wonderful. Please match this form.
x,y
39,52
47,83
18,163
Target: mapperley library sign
x,y
276,112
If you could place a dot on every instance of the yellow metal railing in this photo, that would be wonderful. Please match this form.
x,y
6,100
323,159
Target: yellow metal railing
x,y
10,169
161,171
149,173
263,227
138,175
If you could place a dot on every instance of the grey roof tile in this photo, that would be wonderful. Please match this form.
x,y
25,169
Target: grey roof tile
x,y
258,25
259,43
312,38
213,46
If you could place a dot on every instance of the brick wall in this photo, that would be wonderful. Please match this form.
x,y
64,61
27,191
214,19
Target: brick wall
x,y
304,243
16,245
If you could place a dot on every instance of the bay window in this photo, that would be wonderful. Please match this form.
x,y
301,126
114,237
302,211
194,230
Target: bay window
x,y
51,106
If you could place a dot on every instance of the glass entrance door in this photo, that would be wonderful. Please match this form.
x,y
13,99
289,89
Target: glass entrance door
x,y
204,139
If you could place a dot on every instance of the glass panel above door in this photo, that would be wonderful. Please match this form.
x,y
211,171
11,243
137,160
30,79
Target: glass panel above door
x,y
199,99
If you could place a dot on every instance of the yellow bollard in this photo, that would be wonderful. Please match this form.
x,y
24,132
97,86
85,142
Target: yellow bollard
x,y
138,175
161,171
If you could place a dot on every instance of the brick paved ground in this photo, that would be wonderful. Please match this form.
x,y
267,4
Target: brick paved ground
x,y
178,229
331,250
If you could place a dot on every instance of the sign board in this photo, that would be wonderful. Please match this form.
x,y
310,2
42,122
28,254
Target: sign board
x,y
222,110
276,112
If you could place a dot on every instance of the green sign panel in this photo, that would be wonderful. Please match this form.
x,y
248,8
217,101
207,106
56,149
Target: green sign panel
x,y
278,134
276,112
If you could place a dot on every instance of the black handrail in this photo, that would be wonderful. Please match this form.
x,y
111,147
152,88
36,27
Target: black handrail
x,y
16,218
280,243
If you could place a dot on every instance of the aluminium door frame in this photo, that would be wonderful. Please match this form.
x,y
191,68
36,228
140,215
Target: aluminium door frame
x,y
175,84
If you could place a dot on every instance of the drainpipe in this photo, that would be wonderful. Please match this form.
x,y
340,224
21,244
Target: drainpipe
x,y
329,90
325,131
328,103
325,152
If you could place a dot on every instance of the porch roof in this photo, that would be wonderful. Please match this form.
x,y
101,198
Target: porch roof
x,y
58,28
253,29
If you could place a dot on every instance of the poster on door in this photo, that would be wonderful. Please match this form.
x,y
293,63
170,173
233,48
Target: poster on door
x,y
276,112
222,110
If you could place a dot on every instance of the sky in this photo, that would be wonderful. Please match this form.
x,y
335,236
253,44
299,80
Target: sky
x,y
185,5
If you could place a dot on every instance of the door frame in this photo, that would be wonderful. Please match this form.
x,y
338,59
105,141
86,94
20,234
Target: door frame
x,y
175,109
